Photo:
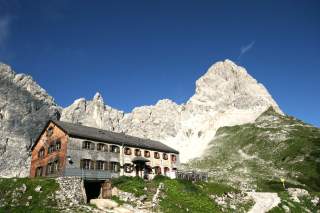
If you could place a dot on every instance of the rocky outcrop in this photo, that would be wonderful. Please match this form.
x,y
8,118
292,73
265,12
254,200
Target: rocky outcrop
x,y
264,201
93,113
24,109
226,95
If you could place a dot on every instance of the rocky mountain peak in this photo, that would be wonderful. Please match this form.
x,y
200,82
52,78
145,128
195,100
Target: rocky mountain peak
x,y
225,95
25,82
5,70
98,98
227,85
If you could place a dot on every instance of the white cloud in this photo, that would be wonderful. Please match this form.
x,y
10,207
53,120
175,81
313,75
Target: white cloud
x,y
4,30
246,48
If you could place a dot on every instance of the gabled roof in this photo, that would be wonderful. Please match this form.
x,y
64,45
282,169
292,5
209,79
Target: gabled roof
x,y
95,134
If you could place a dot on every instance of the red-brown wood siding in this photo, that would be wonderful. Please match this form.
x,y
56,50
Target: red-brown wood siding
x,y
45,141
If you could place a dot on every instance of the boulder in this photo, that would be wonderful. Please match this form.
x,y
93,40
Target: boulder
x,y
122,209
23,188
115,191
38,189
296,193
104,204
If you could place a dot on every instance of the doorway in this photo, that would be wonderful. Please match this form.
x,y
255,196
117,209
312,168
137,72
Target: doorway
x,y
93,189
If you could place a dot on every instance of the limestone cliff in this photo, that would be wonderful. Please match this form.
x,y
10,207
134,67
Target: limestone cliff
x,y
226,95
24,109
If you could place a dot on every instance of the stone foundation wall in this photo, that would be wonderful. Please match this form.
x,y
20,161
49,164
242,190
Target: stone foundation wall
x,y
71,191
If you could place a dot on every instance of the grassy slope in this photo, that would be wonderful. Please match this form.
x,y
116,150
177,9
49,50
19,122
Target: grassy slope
x,y
39,202
259,154
305,204
179,195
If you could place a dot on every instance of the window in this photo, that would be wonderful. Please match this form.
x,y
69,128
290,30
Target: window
x,y
85,163
165,156
137,152
147,154
102,147
49,131
115,166
115,149
127,151
50,168
51,148
92,164
166,171
157,170
53,167
173,158
100,165
149,169
41,153
58,145
39,171
128,168
106,165
156,155
87,145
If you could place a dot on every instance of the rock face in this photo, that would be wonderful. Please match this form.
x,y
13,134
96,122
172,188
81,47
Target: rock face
x,y
93,113
24,108
226,95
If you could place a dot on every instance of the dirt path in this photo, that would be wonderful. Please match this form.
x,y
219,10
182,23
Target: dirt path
x,y
264,201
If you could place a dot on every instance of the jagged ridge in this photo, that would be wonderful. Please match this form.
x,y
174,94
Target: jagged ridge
x,y
226,95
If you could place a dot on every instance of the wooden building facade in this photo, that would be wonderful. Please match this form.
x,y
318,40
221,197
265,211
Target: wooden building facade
x,y
66,149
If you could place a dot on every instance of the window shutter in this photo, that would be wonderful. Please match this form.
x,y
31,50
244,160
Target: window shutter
x,y
92,145
81,164
97,165
92,164
107,165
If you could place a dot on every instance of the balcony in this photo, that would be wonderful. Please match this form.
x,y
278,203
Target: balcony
x,y
91,174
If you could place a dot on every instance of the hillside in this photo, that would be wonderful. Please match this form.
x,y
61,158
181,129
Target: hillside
x,y
159,195
21,195
257,155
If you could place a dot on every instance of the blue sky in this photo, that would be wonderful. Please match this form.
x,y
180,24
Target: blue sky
x,y
137,52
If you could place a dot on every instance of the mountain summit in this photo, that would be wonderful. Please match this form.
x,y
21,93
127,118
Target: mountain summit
x,y
226,95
